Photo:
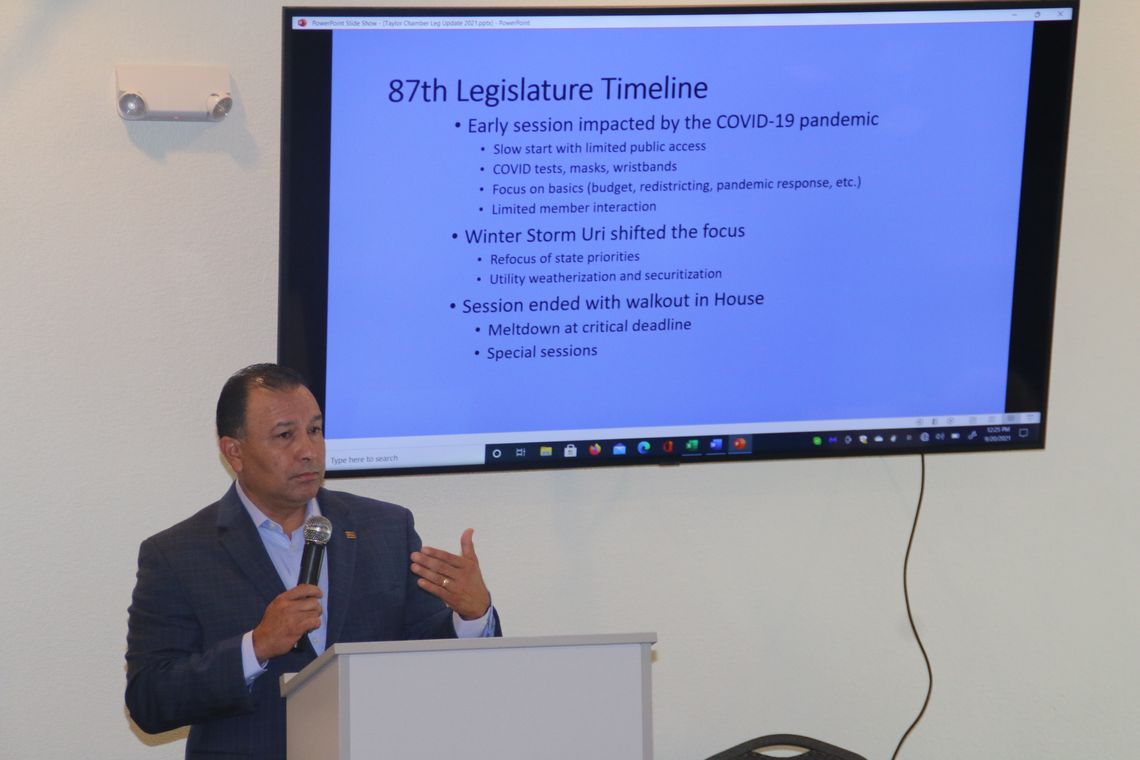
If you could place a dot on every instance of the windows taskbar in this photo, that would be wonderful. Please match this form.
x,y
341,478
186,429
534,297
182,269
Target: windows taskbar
x,y
767,445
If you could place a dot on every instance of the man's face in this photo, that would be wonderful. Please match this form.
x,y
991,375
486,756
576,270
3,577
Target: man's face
x,y
279,457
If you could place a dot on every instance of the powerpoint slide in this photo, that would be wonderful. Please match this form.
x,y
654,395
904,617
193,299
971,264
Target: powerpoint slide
x,y
548,229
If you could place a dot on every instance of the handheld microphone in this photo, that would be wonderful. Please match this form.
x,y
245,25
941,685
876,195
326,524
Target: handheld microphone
x,y
318,531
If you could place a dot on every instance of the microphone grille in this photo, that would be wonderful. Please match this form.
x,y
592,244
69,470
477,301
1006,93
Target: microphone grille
x,y
318,530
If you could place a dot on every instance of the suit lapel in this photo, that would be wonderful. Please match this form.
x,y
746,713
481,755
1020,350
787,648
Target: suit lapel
x,y
341,557
238,535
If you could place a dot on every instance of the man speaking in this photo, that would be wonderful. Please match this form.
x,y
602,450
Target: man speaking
x,y
218,614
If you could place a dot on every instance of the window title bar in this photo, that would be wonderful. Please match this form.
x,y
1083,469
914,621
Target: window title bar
x,y
602,20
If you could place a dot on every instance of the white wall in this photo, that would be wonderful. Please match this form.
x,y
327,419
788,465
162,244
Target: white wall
x,y
139,270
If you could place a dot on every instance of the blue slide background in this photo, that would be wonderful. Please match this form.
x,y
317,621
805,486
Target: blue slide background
x,y
890,300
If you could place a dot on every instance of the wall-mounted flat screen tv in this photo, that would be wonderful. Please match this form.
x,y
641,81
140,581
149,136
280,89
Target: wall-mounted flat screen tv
x,y
519,238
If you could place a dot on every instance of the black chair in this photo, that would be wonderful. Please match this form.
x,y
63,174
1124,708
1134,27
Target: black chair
x,y
813,749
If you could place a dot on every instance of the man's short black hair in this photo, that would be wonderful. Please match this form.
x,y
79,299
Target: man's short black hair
x,y
235,393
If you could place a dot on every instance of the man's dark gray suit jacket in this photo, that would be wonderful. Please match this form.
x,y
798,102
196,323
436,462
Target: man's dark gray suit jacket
x,y
206,581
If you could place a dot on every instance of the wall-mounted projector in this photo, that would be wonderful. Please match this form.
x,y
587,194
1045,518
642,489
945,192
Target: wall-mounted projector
x,y
161,92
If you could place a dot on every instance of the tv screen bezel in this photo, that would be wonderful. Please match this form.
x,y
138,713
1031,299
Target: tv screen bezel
x,y
304,221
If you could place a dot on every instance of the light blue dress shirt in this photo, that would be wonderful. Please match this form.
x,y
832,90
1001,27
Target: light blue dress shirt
x,y
285,552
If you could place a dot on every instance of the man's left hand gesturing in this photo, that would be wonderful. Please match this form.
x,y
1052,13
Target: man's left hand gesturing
x,y
454,578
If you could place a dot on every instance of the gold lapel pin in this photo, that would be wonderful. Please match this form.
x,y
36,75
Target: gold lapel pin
x,y
350,534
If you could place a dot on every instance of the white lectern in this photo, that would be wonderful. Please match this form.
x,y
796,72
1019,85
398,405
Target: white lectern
x,y
544,698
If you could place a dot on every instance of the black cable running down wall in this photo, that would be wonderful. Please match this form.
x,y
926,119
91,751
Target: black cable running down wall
x,y
909,615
